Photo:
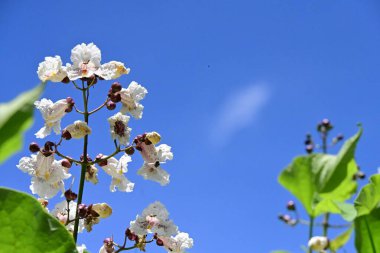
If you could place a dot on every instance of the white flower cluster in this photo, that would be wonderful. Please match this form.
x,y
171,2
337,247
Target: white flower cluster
x,y
85,63
155,219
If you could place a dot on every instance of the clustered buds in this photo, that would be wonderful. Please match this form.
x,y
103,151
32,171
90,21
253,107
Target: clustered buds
x,y
114,95
324,126
309,144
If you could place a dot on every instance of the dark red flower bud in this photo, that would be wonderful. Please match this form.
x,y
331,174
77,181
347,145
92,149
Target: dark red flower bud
x,y
49,146
116,87
92,80
131,236
116,97
101,163
66,163
82,210
33,147
159,242
65,80
130,150
69,109
89,159
291,206
70,195
66,135
111,105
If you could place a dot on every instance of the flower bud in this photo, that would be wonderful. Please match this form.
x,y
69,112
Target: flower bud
x,y
49,146
65,80
101,163
130,150
66,135
70,195
131,236
110,105
69,109
318,243
89,159
115,87
291,206
159,242
92,80
46,153
78,129
33,147
153,137
309,149
82,210
103,209
66,163
116,97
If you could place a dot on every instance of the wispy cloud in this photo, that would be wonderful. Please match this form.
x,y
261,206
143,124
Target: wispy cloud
x,y
239,111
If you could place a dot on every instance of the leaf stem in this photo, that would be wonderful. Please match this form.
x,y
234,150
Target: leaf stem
x,y
311,226
85,93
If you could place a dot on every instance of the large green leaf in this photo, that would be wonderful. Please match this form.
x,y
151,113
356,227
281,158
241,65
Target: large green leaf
x,y
367,232
340,240
16,117
26,227
323,182
367,223
369,196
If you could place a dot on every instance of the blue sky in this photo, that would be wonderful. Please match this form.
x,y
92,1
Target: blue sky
x,y
233,88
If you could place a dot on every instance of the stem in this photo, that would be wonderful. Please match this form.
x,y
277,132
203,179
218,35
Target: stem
x,y
370,235
98,108
325,223
311,226
85,93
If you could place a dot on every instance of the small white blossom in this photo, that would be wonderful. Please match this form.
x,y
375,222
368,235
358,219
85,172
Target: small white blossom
x,y
51,70
92,174
116,170
52,114
318,243
60,212
79,129
86,61
119,128
178,243
154,219
153,157
130,98
112,70
81,248
47,174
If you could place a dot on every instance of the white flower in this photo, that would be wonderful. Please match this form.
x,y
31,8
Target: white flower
x,y
178,243
112,70
154,219
92,174
318,243
52,114
86,61
119,128
116,170
81,248
47,174
153,157
79,129
130,99
60,212
51,70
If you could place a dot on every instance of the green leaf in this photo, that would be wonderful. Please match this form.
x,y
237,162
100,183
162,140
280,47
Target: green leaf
x,y
367,232
323,181
16,117
369,196
25,226
341,240
346,210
